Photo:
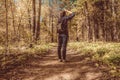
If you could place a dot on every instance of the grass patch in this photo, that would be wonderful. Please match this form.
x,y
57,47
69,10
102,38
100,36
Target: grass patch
x,y
103,53
106,52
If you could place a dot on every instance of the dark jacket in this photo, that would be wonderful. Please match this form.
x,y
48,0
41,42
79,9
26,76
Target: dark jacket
x,y
64,23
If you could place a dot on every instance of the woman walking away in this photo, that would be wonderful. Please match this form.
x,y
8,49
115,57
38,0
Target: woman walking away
x,y
63,35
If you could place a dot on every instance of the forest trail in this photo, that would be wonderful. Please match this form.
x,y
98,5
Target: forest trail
x,y
78,67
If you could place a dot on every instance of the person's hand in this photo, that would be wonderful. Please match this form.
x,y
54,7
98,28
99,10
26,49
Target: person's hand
x,y
67,11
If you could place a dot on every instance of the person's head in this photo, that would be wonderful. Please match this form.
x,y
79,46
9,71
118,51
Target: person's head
x,y
62,14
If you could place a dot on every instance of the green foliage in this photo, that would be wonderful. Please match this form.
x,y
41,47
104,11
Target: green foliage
x,y
114,59
101,51
108,53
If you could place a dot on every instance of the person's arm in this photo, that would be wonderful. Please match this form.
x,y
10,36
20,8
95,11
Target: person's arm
x,y
68,11
72,14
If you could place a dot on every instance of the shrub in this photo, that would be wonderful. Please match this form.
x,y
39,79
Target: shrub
x,y
114,59
101,51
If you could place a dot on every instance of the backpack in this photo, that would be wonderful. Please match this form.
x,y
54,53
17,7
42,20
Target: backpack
x,y
59,28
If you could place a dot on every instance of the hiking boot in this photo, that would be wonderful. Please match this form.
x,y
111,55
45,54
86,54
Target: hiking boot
x,y
60,60
64,60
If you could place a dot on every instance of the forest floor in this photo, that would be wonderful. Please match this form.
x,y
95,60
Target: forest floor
x,y
78,67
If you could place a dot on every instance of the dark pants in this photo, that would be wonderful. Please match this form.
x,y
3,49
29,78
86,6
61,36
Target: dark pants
x,y
62,45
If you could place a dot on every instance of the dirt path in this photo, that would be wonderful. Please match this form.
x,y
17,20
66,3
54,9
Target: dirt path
x,y
78,67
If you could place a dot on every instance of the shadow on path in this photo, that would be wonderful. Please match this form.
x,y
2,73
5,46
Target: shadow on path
x,y
78,67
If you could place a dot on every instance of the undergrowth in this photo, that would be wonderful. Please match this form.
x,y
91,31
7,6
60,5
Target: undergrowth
x,y
106,53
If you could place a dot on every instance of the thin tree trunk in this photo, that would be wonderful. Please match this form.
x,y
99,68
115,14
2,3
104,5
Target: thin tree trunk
x,y
13,20
49,33
114,22
77,38
34,18
88,22
30,27
103,22
6,45
6,7
49,28
52,36
18,33
38,22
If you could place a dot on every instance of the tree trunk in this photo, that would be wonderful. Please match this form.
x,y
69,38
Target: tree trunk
x,y
13,20
38,22
88,22
103,21
52,36
114,22
6,7
34,18
30,25
19,24
77,38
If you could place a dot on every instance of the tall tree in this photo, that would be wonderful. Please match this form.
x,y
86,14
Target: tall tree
x,y
34,18
38,22
6,7
13,16
88,21
52,26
